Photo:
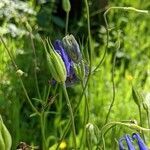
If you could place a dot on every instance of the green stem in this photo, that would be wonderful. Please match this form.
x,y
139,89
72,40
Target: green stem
x,y
71,114
128,8
67,21
42,123
35,66
107,28
113,84
88,140
89,34
86,118
148,120
107,41
75,110
20,79
141,124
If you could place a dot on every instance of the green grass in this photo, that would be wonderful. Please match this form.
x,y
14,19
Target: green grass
x,y
131,29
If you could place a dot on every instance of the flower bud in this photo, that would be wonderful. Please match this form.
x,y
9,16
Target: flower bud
x,y
5,137
80,70
72,48
66,5
136,96
19,72
56,65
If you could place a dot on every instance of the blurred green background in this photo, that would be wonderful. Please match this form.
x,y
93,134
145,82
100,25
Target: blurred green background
x,y
47,19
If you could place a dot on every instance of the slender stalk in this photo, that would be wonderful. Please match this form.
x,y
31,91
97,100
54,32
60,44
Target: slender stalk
x,y
35,65
42,123
89,34
148,119
20,79
88,140
71,115
141,124
107,41
64,133
8,51
67,22
75,111
86,117
127,9
113,84
107,28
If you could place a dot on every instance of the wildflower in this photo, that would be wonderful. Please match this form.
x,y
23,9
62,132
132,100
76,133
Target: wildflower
x,y
63,145
69,52
67,61
71,77
72,48
129,77
129,142
140,142
56,65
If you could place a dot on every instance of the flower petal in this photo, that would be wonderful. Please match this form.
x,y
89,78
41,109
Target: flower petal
x,y
129,142
72,48
67,61
141,144
121,147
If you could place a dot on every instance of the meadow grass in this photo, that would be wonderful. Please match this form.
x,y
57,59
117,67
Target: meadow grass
x,y
104,108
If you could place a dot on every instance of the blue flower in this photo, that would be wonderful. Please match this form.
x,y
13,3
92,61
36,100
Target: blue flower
x,y
71,77
128,141
67,61
140,142
72,48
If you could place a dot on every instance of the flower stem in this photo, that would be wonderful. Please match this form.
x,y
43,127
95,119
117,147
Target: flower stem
x,y
141,124
75,110
67,21
89,34
21,81
86,118
113,84
42,123
107,28
71,114
35,65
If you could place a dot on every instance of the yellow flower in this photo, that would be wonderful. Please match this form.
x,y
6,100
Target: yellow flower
x,y
129,77
63,145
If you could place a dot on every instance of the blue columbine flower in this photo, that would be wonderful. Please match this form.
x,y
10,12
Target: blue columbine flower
x,y
72,48
140,142
129,142
71,77
67,61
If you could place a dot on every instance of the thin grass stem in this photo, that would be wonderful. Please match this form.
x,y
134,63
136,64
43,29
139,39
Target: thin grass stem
x,y
113,84
86,117
67,22
20,79
71,115
107,28
35,65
